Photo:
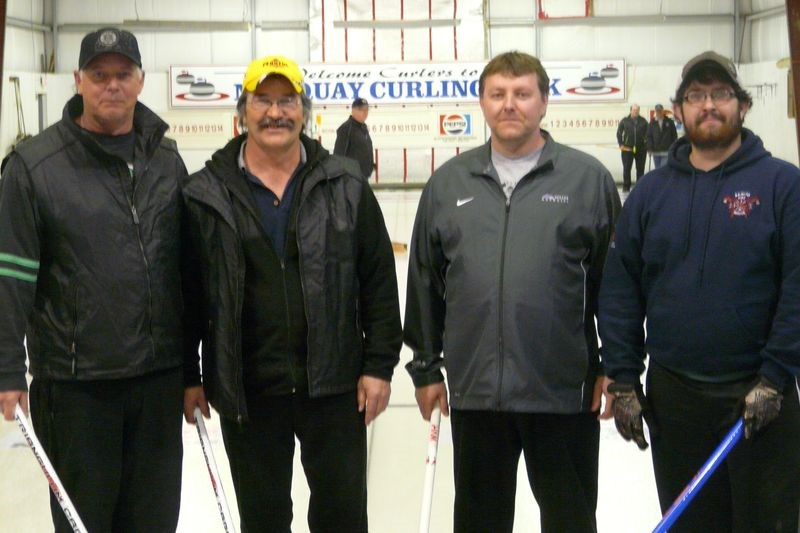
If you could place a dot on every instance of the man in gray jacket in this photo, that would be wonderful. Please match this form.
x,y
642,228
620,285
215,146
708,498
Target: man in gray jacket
x,y
506,258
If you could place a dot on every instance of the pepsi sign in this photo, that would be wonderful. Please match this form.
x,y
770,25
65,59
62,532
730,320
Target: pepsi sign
x,y
455,124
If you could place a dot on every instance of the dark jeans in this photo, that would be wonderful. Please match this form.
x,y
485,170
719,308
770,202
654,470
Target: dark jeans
x,y
628,159
756,489
561,456
117,447
333,450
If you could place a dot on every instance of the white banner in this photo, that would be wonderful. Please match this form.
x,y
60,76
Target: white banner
x,y
402,83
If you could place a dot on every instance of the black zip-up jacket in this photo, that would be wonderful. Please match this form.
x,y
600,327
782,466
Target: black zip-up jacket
x,y
349,285
353,141
660,138
90,258
632,132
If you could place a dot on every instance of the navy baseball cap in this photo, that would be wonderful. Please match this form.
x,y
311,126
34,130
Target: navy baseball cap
x,y
109,41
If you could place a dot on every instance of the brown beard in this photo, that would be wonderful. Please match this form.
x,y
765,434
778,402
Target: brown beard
x,y
722,137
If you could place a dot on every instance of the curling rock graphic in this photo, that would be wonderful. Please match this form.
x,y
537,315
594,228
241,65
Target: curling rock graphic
x,y
593,82
201,88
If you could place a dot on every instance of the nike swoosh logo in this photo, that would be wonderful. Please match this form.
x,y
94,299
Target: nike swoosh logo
x,y
462,201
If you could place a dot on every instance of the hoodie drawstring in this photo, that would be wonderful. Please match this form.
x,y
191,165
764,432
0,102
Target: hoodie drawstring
x,y
688,230
718,181
717,189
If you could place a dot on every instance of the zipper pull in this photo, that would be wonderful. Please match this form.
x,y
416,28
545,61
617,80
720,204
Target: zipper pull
x,y
74,359
135,215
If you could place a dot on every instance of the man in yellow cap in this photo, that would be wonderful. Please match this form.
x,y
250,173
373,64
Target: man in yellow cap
x,y
297,298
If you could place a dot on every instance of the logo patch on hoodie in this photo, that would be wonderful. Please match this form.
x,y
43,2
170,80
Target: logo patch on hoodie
x,y
741,203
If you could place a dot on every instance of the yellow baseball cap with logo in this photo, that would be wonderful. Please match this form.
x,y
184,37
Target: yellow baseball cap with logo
x,y
259,69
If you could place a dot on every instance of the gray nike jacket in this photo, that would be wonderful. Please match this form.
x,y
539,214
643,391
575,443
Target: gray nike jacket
x,y
503,293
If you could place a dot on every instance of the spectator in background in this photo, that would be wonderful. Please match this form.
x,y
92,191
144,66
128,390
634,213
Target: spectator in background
x,y
90,219
661,134
353,140
710,259
506,258
632,141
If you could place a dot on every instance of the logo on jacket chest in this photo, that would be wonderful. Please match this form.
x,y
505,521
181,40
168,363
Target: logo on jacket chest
x,y
741,203
555,198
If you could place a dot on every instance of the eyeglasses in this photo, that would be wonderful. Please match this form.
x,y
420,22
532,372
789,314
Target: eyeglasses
x,y
261,102
717,96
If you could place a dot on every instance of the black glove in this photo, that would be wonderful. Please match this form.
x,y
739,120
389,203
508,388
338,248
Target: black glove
x,y
761,405
629,408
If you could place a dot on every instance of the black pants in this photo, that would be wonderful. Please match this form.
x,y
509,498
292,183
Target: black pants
x,y
757,489
117,447
628,159
561,455
333,450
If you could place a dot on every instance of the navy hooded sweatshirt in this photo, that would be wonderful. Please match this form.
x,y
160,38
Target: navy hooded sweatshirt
x,y
712,261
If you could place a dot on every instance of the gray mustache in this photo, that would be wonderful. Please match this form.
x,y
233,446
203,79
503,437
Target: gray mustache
x,y
279,123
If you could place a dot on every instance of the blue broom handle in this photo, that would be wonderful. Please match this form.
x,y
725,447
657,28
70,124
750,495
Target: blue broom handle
x,y
691,490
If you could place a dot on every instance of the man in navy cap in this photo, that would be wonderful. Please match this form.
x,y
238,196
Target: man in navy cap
x,y
90,277
661,133
353,140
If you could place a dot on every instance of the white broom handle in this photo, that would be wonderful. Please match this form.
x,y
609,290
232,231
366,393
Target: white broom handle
x,y
213,471
49,472
430,471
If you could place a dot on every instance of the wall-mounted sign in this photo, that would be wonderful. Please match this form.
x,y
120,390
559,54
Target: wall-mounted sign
x,y
400,83
200,130
416,127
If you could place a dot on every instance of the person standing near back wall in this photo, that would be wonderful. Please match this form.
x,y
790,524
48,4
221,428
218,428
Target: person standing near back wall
x,y
353,140
632,141
661,133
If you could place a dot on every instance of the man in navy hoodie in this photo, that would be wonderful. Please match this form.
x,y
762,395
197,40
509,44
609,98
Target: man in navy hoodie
x,y
707,250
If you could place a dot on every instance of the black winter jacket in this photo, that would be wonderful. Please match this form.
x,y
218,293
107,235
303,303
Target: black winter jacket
x,y
89,258
353,141
660,138
632,132
346,267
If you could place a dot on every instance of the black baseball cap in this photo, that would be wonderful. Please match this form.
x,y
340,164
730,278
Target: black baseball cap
x,y
109,40
360,102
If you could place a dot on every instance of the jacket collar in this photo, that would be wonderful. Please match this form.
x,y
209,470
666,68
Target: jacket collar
x,y
149,127
481,165
224,167
751,150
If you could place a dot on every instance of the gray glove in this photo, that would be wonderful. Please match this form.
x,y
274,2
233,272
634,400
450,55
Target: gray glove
x,y
761,406
629,408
